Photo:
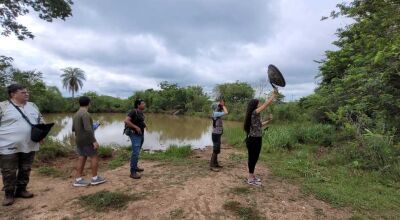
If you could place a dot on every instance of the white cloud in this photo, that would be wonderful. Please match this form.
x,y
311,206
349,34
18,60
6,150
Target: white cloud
x,y
123,52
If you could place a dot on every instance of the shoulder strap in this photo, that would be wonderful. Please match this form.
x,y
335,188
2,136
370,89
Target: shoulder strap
x,y
23,115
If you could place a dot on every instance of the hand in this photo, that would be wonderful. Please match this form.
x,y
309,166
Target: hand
x,y
222,102
138,130
96,145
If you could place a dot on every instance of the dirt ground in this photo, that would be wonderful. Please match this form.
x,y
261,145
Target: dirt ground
x,y
171,191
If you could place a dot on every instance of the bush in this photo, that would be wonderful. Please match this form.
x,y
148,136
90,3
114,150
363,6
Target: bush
x,y
280,137
322,134
52,149
377,152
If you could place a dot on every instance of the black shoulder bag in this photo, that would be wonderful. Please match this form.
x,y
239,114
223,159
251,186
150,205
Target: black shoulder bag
x,y
39,131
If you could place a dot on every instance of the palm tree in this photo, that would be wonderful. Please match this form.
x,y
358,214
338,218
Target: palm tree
x,y
72,79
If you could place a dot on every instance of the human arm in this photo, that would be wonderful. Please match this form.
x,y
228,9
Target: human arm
x,y
267,103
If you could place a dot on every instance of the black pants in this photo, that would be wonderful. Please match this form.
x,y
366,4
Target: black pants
x,y
254,148
216,139
16,169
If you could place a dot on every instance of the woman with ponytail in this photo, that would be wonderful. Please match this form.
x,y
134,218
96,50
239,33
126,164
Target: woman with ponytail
x,y
253,129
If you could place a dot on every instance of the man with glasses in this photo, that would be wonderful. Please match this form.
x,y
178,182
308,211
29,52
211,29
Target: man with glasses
x,y
17,150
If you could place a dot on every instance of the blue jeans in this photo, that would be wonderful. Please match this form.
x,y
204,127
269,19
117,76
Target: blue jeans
x,y
137,143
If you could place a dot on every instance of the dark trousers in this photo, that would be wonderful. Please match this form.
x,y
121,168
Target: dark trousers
x,y
254,148
216,139
16,169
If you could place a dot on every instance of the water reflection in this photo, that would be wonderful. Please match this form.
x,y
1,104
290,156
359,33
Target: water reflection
x,y
162,131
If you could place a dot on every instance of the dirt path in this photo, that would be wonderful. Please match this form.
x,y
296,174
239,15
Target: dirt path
x,y
176,192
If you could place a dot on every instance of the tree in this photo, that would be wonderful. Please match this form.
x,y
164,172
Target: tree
x,y
47,10
361,79
72,79
238,92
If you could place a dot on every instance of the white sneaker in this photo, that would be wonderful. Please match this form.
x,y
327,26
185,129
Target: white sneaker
x,y
80,183
98,180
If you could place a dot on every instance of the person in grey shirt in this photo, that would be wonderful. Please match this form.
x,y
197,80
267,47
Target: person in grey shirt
x,y
86,144
219,110
17,150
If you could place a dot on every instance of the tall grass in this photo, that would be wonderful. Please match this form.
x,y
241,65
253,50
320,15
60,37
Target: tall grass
x,y
53,149
331,164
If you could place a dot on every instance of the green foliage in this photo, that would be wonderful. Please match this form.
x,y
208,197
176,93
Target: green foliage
x,y
234,92
121,157
72,79
106,104
361,78
105,152
374,152
46,10
173,153
365,177
52,149
106,200
172,98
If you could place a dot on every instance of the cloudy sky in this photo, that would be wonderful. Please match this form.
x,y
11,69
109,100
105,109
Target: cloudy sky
x,y
126,45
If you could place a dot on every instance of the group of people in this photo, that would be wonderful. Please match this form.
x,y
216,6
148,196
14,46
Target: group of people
x,y
17,150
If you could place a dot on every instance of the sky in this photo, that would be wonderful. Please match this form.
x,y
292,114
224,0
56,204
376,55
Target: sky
x,y
128,45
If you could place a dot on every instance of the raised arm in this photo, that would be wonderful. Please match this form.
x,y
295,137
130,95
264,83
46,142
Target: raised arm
x,y
267,102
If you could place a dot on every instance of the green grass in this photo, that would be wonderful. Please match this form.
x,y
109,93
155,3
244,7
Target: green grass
x,y
120,158
53,149
246,213
237,157
105,200
331,176
172,154
50,171
105,152
240,190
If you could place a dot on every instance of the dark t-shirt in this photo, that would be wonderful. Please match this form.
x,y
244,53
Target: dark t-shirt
x,y
137,118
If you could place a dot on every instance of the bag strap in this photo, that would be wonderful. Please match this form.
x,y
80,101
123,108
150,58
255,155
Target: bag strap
x,y
23,115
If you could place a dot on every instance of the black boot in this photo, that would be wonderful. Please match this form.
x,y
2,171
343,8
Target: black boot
x,y
8,198
213,165
22,193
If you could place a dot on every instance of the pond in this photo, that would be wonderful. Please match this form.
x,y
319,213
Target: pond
x,y
162,130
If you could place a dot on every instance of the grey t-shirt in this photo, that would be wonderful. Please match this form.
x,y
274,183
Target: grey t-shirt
x,y
256,125
82,125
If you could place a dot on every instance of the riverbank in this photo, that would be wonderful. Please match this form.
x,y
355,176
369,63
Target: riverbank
x,y
175,185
